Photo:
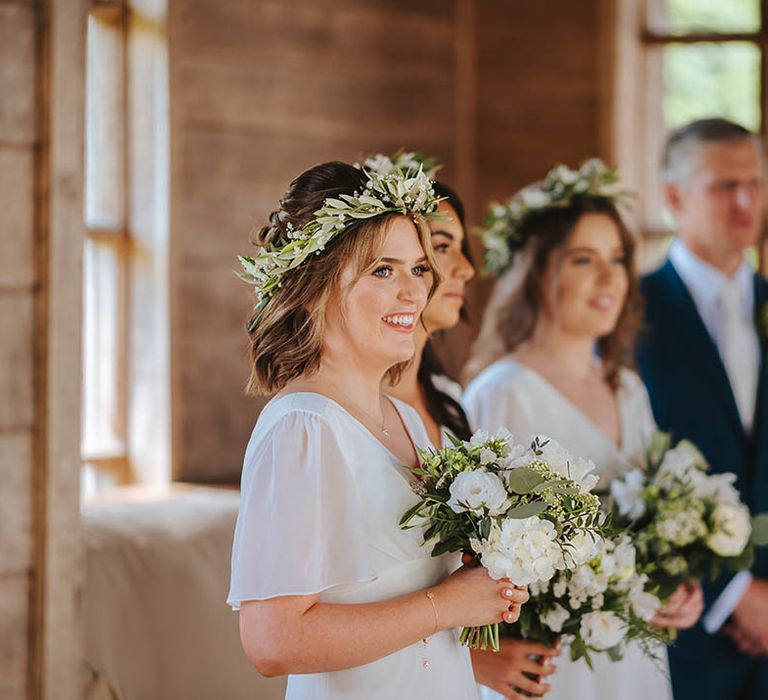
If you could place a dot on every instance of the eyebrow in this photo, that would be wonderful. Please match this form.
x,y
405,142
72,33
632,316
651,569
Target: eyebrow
x,y
398,261
449,236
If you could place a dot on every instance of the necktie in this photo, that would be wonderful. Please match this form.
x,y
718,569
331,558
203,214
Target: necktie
x,y
740,352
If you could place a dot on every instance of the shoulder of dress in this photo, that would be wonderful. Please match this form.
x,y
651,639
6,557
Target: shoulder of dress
x,y
500,372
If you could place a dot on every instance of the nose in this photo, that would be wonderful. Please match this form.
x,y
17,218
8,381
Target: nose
x,y
463,268
744,197
414,290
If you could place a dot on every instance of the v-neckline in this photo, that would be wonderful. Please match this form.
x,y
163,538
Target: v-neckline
x,y
369,432
617,448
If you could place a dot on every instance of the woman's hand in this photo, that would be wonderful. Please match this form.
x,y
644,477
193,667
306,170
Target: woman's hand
x,y
684,607
505,671
471,598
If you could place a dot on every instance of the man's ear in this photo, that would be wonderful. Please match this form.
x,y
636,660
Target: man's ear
x,y
672,198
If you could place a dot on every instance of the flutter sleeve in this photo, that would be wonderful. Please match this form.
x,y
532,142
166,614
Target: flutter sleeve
x,y
299,529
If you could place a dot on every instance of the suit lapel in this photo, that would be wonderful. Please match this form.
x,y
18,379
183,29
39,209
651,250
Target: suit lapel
x,y
700,348
761,405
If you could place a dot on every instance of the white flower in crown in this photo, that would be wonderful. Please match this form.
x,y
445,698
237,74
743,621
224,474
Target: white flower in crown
x,y
502,237
407,192
383,164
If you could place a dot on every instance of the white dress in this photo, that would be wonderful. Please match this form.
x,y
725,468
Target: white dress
x,y
508,394
320,504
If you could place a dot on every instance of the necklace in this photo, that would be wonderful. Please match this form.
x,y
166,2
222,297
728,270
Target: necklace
x,y
373,419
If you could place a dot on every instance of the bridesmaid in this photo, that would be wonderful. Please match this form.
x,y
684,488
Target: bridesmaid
x,y
425,385
330,590
572,290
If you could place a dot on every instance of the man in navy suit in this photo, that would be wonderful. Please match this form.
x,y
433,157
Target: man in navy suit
x,y
702,357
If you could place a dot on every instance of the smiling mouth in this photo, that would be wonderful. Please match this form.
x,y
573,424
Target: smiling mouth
x,y
401,322
604,303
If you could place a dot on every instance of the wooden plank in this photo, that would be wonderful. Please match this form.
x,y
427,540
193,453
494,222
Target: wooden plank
x,y
18,73
16,536
346,29
17,408
240,95
14,609
210,160
17,192
58,626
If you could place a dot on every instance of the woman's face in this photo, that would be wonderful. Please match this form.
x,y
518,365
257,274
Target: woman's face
x,y
374,324
447,237
587,282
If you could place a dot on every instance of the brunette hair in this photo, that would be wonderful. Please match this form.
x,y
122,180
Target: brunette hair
x,y
511,316
445,410
287,339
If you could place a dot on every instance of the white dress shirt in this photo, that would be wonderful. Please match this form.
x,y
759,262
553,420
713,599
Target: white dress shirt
x,y
706,285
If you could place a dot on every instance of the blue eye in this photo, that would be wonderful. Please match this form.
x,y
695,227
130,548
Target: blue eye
x,y
421,270
383,272
441,248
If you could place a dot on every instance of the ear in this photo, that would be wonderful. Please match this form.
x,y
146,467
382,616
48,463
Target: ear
x,y
672,198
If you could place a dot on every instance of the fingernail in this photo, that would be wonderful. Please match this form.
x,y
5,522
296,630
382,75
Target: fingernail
x,y
508,592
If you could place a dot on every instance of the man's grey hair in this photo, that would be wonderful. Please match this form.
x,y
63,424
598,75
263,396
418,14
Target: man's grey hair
x,y
685,140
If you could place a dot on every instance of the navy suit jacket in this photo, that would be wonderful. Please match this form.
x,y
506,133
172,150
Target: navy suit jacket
x,y
692,398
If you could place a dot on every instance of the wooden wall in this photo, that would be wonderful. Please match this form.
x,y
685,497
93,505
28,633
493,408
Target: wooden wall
x,y
261,89
19,415
41,154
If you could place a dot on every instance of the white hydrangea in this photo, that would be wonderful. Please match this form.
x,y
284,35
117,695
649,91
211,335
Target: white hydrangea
x,y
628,494
602,630
556,618
478,492
681,528
523,550
732,529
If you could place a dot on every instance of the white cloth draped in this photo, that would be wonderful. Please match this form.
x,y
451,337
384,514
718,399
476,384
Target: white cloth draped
x,y
508,394
321,500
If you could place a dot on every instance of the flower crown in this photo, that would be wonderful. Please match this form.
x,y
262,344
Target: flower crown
x,y
403,160
503,237
408,192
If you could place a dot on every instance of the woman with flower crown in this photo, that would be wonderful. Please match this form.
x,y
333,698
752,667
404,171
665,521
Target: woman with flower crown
x,y
331,591
553,357
425,385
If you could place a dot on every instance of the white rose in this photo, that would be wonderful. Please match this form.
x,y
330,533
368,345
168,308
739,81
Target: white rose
x,y
556,618
522,550
628,494
478,492
645,605
602,630
732,529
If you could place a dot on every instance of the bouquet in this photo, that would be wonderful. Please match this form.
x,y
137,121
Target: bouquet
x,y
600,605
525,511
684,522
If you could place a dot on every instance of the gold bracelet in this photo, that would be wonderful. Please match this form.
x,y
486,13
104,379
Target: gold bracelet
x,y
431,597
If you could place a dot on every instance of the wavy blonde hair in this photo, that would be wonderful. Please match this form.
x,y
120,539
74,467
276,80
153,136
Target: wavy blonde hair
x,y
287,340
